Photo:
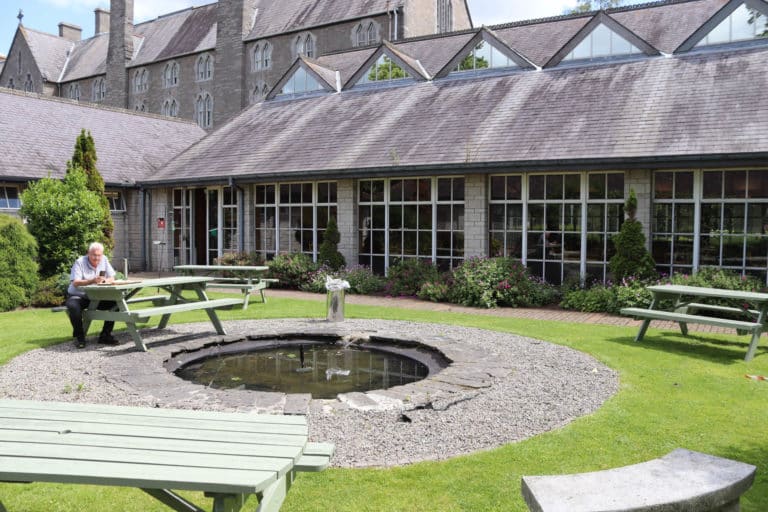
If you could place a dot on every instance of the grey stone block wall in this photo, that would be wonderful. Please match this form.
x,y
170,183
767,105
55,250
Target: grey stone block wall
x,y
475,215
119,52
346,220
420,17
19,63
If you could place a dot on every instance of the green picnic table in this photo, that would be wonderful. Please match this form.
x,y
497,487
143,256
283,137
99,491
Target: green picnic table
x,y
687,303
227,456
124,295
246,278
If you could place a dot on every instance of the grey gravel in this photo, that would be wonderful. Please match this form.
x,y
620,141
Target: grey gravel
x,y
500,389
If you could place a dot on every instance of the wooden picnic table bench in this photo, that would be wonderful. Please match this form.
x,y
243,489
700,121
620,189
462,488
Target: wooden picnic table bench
x,y
227,456
246,278
124,295
687,302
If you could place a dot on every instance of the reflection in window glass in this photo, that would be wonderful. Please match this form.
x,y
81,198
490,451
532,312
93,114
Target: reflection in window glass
x,y
673,221
743,24
9,197
301,82
484,56
602,42
385,69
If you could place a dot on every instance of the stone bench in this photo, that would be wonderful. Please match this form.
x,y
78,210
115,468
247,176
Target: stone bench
x,y
681,481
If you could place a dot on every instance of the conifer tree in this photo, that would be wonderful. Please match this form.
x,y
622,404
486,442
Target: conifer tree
x,y
329,252
85,158
632,258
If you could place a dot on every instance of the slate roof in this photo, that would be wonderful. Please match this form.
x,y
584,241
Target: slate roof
x,y
39,133
706,104
280,16
88,58
50,52
540,41
189,31
435,52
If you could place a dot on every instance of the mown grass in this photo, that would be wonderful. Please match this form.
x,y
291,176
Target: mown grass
x,y
675,392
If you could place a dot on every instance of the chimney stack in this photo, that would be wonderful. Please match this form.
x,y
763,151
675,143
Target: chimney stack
x,y
119,52
70,32
101,21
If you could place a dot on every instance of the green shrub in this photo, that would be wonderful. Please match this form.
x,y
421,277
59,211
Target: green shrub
x,y
492,282
329,254
360,278
632,257
407,276
64,217
52,291
436,291
599,298
18,264
293,270
241,258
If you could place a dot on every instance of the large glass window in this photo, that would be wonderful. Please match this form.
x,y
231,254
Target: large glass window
x,y
116,201
183,236
301,82
742,25
292,217
673,221
222,222
734,221
538,218
602,42
411,218
9,197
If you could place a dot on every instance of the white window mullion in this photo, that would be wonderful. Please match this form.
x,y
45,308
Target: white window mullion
x,y
525,220
386,226
584,209
433,187
698,187
315,237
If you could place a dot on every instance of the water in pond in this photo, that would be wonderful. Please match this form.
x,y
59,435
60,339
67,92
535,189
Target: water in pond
x,y
324,370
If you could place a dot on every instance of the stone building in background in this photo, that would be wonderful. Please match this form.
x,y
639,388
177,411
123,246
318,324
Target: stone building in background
x,y
207,63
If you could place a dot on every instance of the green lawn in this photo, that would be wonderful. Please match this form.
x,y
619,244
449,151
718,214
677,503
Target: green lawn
x,y
675,392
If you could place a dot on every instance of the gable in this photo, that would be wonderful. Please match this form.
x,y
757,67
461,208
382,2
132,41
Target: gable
x,y
743,24
602,42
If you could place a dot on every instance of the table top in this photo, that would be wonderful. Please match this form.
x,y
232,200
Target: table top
x,y
131,284
700,291
147,447
238,268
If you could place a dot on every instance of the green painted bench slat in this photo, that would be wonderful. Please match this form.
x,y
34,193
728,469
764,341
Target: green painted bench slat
x,y
685,318
146,421
174,433
157,299
147,313
316,457
122,410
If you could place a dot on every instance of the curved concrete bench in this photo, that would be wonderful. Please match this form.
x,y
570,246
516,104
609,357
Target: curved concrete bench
x,y
681,481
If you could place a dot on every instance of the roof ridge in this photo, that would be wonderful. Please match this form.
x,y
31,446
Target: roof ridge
x,y
177,12
575,15
96,106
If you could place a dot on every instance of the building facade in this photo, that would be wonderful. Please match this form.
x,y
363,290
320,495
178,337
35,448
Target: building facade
x,y
522,140
206,63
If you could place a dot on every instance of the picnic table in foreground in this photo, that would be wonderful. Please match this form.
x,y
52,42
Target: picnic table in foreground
x,y
246,278
688,303
124,295
227,456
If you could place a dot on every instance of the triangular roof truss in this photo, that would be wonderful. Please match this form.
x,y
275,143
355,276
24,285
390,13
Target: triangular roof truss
x,y
310,74
719,18
411,66
487,36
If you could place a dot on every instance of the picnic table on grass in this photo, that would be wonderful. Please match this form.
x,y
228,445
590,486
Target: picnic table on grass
x,y
246,278
124,295
228,456
687,305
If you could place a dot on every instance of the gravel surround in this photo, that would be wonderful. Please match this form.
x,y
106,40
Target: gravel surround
x,y
501,387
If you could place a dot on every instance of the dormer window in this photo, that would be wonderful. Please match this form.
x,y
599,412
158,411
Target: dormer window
x,y
744,24
171,75
140,80
262,56
304,44
204,67
484,56
383,70
600,43
99,90
366,33
301,82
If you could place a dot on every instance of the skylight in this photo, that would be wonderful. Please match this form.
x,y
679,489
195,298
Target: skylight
x,y
484,56
301,82
385,69
743,24
602,42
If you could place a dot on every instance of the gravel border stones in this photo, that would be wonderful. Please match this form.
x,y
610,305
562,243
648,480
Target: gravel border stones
x,y
499,388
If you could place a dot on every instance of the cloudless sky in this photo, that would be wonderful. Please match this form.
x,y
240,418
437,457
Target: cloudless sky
x,y
45,15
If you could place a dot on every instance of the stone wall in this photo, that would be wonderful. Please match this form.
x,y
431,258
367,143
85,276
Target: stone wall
x,y
475,215
18,64
119,52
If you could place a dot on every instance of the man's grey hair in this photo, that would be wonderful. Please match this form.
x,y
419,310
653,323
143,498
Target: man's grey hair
x,y
94,246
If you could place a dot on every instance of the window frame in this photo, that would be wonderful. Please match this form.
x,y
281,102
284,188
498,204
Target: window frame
x,y
6,201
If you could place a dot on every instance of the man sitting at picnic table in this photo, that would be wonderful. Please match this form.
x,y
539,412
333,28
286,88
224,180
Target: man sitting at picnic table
x,y
93,268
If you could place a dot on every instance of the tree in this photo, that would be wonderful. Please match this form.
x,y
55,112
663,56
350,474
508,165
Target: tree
x,y
64,217
85,158
18,264
329,250
632,258
588,5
